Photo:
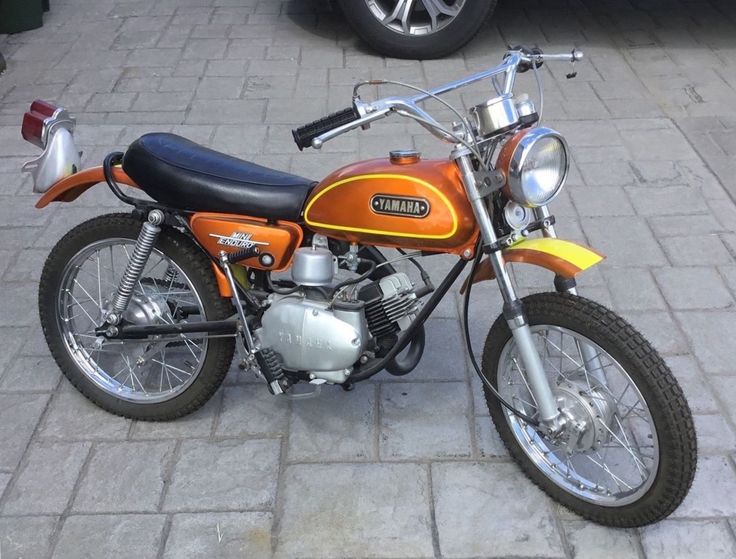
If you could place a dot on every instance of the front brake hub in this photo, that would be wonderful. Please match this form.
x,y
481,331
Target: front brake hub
x,y
589,413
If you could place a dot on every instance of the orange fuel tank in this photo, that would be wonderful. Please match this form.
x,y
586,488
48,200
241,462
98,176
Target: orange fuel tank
x,y
398,202
276,241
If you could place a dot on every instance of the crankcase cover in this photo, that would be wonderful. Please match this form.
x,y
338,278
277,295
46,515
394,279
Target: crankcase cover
x,y
309,337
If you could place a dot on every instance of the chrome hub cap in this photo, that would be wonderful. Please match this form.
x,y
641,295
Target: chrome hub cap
x,y
588,416
607,451
415,17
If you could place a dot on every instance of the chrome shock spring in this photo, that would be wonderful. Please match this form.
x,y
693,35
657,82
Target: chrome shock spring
x,y
143,247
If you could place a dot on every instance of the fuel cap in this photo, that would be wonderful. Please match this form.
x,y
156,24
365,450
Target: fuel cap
x,y
404,156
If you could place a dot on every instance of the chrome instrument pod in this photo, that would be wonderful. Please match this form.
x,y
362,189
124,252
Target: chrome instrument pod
x,y
495,116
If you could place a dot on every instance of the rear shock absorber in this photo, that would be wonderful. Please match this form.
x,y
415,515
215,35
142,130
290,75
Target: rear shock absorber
x,y
143,247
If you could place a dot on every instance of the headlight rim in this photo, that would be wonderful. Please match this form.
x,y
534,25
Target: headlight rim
x,y
513,155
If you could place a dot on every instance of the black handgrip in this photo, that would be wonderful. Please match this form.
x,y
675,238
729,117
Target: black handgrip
x,y
304,135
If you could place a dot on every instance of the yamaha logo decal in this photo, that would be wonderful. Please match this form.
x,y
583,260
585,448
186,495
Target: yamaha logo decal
x,y
401,206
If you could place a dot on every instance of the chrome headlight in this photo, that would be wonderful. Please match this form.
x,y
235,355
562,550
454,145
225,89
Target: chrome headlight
x,y
535,163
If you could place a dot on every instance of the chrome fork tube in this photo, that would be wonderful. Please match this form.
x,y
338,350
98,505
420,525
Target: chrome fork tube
x,y
591,361
513,309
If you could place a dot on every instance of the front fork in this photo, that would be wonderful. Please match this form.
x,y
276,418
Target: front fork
x,y
513,308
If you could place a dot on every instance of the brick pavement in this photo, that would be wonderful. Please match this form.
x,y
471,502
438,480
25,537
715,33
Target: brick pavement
x,y
405,467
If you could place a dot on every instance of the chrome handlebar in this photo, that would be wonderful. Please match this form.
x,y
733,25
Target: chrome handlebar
x,y
407,106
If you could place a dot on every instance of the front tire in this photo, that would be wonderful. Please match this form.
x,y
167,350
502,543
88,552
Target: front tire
x,y
148,379
433,29
647,448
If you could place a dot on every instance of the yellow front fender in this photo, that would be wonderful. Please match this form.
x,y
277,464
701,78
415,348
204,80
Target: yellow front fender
x,y
564,258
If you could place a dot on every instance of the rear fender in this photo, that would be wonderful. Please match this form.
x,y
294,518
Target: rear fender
x,y
70,188
564,258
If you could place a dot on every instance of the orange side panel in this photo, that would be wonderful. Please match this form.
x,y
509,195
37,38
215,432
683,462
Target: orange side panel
x,y
218,232
71,187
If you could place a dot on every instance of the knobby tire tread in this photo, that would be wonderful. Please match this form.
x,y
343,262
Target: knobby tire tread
x,y
199,269
663,395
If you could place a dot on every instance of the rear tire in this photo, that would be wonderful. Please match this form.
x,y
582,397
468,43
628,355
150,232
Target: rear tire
x,y
648,373
196,267
446,40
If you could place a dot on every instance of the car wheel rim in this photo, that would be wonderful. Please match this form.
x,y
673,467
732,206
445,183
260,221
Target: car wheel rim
x,y
415,17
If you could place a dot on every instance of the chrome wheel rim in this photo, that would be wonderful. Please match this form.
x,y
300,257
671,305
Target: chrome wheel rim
x,y
622,463
146,371
415,17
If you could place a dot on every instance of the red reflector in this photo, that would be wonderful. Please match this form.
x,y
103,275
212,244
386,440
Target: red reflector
x,y
44,107
32,128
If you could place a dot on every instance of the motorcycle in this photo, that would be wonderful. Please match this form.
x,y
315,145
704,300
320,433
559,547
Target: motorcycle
x,y
143,311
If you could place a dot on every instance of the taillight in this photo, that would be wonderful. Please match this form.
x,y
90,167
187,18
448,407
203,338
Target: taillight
x,y
34,120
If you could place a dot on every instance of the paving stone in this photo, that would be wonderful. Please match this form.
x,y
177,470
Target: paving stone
x,y
634,289
72,417
714,350
122,536
337,425
39,374
193,425
224,535
224,475
226,111
360,496
626,241
4,481
697,390
19,414
46,480
252,410
674,539
700,250
710,494
220,88
590,541
124,477
683,225
601,201
714,434
476,501
26,536
693,288
486,435
424,420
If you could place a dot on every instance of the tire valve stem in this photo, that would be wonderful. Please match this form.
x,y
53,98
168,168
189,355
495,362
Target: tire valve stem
x,y
143,247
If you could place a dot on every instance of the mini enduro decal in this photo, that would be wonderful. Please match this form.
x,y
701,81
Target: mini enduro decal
x,y
400,206
238,239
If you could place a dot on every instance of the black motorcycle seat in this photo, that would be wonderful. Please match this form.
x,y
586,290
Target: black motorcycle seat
x,y
184,175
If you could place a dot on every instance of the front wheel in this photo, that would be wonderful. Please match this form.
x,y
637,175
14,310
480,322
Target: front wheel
x,y
417,29
157,378
628,453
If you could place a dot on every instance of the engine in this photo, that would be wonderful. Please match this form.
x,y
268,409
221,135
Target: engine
x,y
390,306
327,338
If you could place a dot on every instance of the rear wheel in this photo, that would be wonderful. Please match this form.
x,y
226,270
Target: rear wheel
x,y
628,454
150,379
417,29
